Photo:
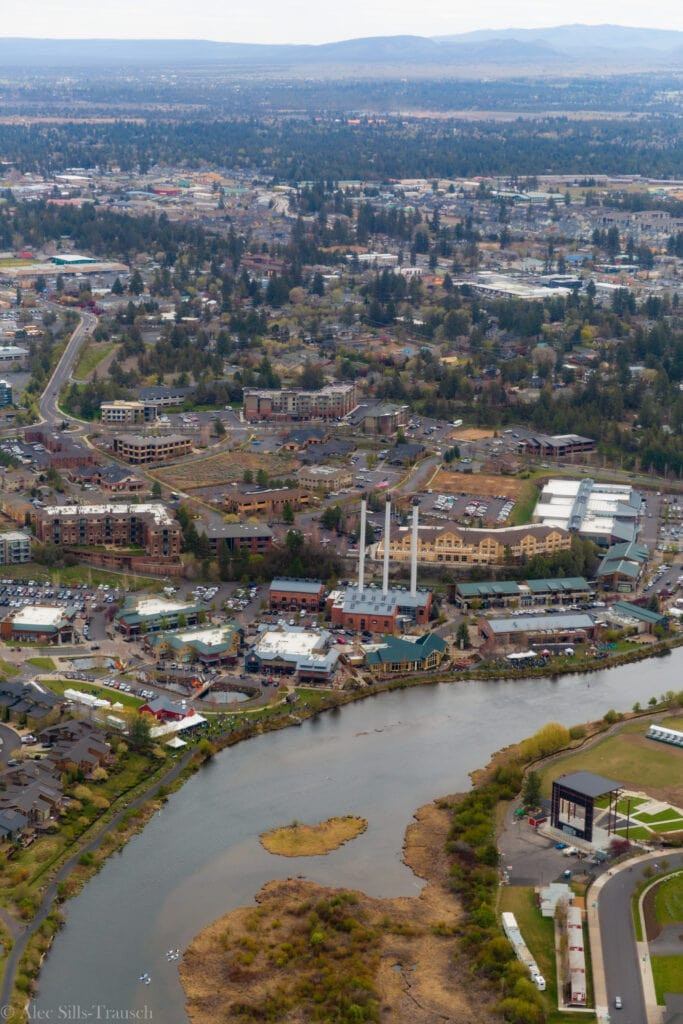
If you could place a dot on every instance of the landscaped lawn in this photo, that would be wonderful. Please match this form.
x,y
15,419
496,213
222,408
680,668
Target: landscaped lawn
x,y
47,664
669,901
665,815
81,574
622,806
619,758
8,669
635,833
667,974
669,826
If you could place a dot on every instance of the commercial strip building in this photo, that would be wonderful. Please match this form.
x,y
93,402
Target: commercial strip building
x,y
15,547
44,624
529,594
142,615
210,645
331,402
141,450
524,630
122,413
307,653
149,526
471,546
296,595
604,513
325,478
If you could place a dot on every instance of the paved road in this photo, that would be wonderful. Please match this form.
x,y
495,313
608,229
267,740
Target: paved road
x,y
49,410
10,740
620,954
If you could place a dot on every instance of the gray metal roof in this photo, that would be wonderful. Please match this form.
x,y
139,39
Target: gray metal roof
x,y
541,623
296,586
588,783
374,601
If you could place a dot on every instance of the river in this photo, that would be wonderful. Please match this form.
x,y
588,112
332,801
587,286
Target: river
x,y
380,758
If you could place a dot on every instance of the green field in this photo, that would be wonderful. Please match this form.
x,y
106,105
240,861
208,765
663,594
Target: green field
x,y
46,664
58,686
80,574
525,504
672,826
667,974
635,766
91,357
669,900
664,815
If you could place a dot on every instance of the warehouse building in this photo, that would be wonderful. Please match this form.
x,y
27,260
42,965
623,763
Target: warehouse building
x,y
604,513
523,630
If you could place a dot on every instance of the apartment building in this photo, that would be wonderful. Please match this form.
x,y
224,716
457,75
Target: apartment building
x,y
15,547
148,526
140,450
331,402
122,413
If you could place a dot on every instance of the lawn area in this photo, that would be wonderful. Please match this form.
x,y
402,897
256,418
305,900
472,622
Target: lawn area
x,y
80,574
58,686
525,504
47,664
673,723
665,815
91,357
538,932
670,826
667,974
622,758
669,900
636,833
622,806
7,669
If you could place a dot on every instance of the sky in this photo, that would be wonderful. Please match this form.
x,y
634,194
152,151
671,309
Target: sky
x,y
302,21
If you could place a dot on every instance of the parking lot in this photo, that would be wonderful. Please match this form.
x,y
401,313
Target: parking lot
x,y
468,507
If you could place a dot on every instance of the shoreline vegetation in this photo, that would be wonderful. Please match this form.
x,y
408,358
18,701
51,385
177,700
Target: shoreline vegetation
x,y
36,943
300,840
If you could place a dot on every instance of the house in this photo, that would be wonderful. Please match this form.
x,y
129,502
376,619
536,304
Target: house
x,y
11,824
84,754
31,699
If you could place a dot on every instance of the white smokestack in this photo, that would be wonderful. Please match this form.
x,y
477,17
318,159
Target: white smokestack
x,y
387,543
361,546
413,549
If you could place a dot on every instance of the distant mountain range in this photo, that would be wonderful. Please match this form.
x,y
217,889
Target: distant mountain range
x,y
559,49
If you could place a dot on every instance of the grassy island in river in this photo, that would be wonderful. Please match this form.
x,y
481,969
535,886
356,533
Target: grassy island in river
x,y
298,840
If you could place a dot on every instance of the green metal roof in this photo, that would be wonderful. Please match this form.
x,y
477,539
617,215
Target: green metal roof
x,y
558,586
489,588
394,649
636,612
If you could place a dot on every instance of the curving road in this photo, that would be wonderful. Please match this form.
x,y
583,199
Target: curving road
x,y
626,961
49,407
10,740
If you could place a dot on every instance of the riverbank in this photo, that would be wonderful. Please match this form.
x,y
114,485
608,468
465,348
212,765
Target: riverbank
x,y
252,959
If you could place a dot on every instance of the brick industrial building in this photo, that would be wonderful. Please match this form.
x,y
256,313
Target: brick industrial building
x,y
293,595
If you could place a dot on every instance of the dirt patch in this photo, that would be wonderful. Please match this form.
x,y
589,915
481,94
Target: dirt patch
x,y
224,468
298,840
479,484
471,434
260,958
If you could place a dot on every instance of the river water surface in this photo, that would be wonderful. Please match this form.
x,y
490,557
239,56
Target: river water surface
x,y
380,758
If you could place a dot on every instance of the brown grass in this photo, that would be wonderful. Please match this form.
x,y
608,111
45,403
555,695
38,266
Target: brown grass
x,y
226,467
419,975
481,484
298,840
471,434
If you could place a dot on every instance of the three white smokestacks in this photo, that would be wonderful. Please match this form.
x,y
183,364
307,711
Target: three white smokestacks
x,y
387,546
